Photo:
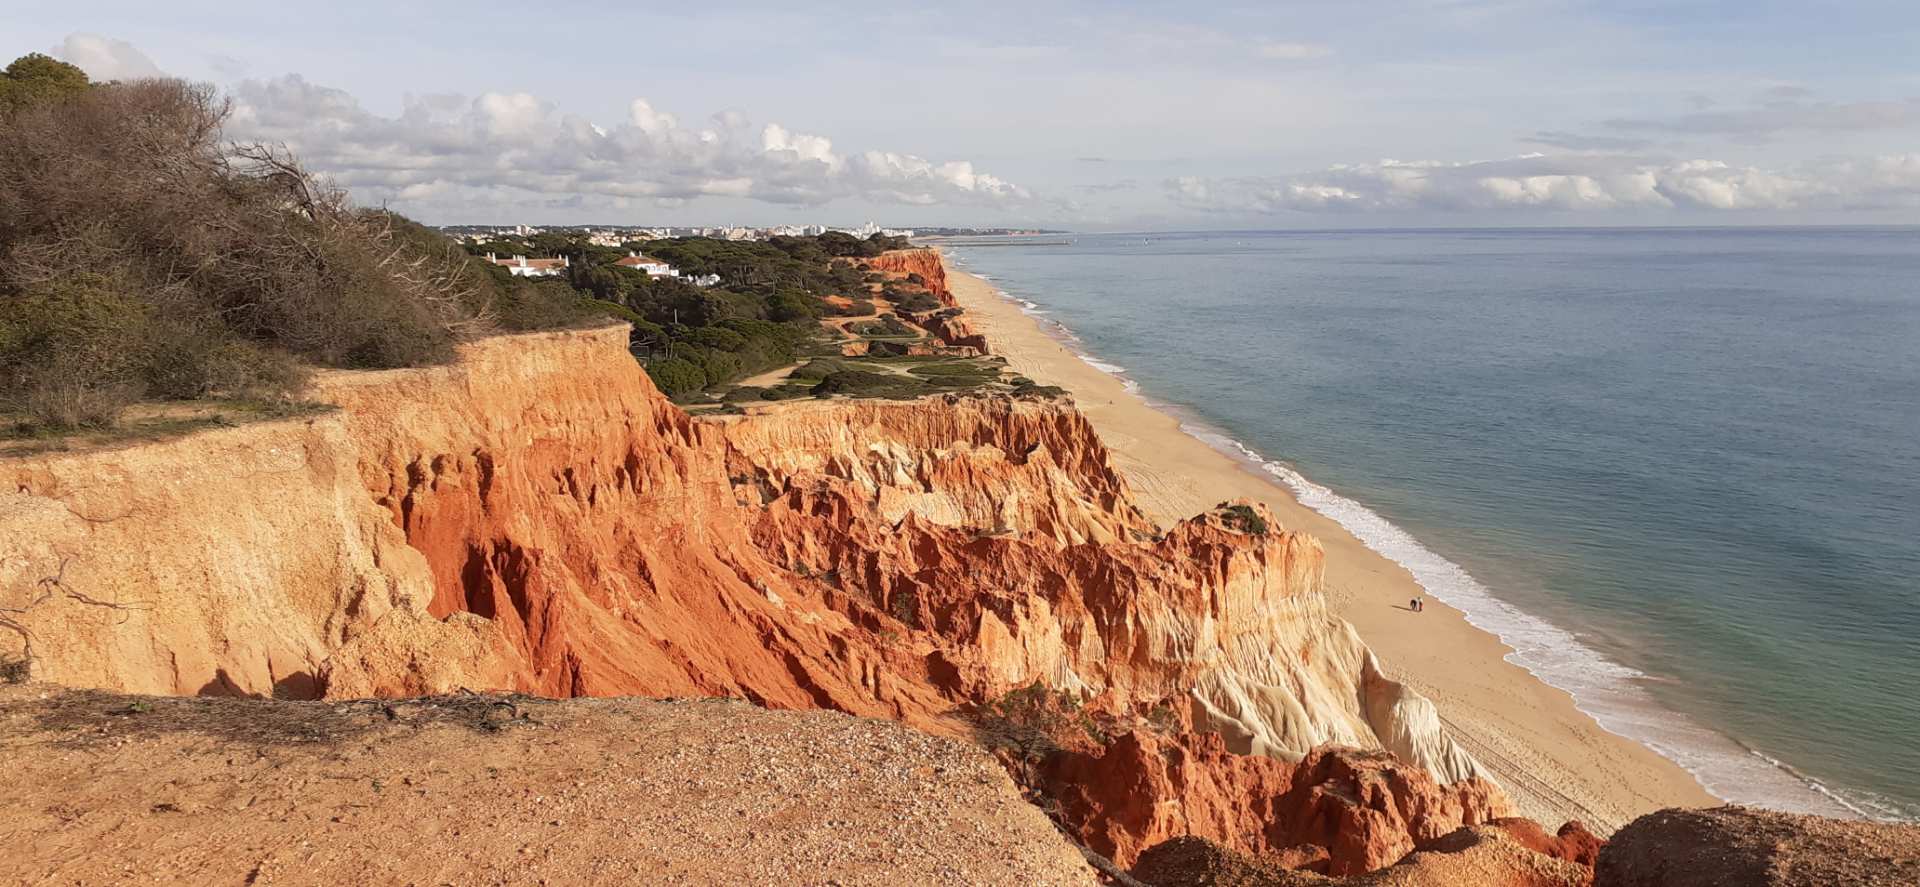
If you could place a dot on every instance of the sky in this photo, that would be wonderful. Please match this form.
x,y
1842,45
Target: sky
x,y
1084,116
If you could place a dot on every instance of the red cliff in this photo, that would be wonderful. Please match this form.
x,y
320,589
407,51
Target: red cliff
x,y
538,518
922,262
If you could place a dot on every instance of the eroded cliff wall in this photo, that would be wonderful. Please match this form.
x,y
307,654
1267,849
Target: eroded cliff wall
x,y
536,517
924,262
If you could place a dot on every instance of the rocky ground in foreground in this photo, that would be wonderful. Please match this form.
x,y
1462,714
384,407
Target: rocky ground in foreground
x,y
99,788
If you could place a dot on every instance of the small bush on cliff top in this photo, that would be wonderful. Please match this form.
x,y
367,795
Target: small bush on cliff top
x,y
142,257
861,383
1245,519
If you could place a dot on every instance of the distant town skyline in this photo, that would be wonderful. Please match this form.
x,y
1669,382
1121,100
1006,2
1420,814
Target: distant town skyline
x,y
1066,115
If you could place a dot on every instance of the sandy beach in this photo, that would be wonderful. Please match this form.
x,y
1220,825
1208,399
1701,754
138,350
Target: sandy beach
x,y
1552,758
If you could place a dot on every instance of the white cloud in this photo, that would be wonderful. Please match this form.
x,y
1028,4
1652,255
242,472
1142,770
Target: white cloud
x,y
104,58
1578,182
514,148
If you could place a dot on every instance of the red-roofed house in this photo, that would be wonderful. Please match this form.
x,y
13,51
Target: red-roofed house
x,y
651,266
521,266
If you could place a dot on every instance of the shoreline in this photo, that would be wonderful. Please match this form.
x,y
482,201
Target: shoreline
x,y
1554,758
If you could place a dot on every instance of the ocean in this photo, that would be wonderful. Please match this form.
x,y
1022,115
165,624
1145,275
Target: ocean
x,y
1678,470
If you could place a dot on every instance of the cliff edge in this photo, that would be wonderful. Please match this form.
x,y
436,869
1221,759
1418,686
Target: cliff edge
x,y
537,518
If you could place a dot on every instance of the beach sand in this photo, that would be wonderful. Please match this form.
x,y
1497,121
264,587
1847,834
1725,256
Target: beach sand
x,y
1554,760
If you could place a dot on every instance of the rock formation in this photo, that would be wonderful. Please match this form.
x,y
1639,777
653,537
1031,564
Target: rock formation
x,y
924,262
1480,856
997,526
1729,846
538,518
950,325
1365,811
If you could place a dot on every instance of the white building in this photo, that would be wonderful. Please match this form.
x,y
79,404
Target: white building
x,y
651,266
521,266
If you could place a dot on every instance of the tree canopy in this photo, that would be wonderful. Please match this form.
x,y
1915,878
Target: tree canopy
x,y
34,78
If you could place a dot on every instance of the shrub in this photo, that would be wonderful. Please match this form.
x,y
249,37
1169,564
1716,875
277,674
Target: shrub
x,y
192,369
1026,725
677,377
817,369
859,308
1025,387
957,368
1245,519
718,337
147,258
15,669
522,307
790,306
863,383
617,311
34,78
888,325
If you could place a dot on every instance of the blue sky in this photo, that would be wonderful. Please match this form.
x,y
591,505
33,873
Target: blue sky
x,y
1079,115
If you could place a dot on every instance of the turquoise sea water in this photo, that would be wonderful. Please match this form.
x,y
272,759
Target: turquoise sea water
x,y
1677,469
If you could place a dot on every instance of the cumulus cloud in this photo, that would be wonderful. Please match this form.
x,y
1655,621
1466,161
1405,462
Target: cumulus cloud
x,y
104,58
1580,182
518,148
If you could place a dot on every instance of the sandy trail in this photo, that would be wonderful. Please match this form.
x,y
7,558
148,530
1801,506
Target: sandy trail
x,y
1554,759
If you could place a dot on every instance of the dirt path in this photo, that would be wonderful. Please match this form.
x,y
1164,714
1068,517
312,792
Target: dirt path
x,y
107,789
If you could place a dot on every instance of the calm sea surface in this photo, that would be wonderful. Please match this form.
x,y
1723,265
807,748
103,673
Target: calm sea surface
x,y
1678,469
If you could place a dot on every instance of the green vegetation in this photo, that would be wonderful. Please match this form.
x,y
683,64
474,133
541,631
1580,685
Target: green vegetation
x,y
148,421
1030,724
762,314
34,78
148,260
910,297
1245,519
818,368
889,326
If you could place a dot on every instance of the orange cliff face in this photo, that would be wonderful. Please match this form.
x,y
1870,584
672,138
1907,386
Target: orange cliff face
x,y
924,262
538,518
997,533
949,324
1361,811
